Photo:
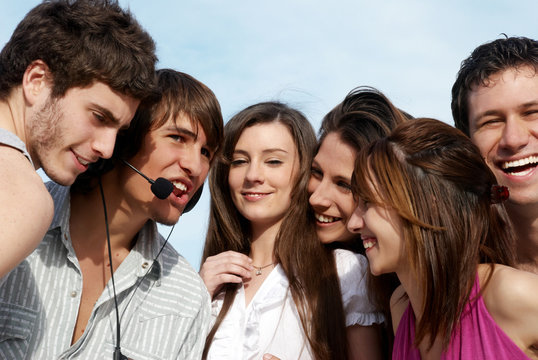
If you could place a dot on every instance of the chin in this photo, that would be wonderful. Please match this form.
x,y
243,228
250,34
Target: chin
x,y
375,270
167,219
65,180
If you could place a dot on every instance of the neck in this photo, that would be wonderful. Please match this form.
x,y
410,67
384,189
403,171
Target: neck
x,y
12,114
412,287
89,232
525,221
263,243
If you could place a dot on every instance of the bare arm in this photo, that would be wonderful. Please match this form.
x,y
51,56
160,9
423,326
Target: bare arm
x,y
364,342
226,267
26,208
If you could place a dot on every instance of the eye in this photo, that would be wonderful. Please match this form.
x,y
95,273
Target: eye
x,y
345,186
531,112
363,203
316,173
205,152
490,122
177,138
238,162
99,117
274,162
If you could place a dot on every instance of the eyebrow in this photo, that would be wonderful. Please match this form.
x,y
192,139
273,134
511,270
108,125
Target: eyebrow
x,y
266,151
336,177
182,130
528,104
110,117
497,112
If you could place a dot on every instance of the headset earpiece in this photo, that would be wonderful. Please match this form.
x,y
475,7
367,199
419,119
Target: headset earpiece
x,y
194,200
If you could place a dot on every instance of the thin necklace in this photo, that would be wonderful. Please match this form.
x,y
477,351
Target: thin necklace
x,y
259,268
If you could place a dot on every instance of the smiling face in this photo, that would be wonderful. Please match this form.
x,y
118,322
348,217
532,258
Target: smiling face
x,y
330,189
381,232
503,123
176,151
264,166
65,135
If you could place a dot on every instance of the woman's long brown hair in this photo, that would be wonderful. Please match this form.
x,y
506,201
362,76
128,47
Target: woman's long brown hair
x,y
437,181
309,267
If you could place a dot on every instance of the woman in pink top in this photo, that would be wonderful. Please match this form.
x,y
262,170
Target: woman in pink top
x,y
429,211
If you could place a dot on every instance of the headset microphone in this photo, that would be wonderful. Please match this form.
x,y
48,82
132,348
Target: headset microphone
x,y
162,188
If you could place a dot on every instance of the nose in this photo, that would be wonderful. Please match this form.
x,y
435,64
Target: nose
x,y
254,173
191,161
515,135
318,194
103,143
355,222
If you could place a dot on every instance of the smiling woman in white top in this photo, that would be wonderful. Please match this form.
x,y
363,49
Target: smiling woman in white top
x,y
275,287
363,116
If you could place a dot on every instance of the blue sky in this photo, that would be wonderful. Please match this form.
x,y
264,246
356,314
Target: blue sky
x,y
310,54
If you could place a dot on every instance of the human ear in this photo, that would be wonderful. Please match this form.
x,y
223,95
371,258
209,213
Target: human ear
x,y
36,81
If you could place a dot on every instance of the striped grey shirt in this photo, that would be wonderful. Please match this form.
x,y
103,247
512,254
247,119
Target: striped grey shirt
x,y
163,316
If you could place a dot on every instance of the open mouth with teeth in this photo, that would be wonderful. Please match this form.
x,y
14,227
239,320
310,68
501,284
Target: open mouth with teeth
x,y
82,161
520,167
179,188
368,243
325,219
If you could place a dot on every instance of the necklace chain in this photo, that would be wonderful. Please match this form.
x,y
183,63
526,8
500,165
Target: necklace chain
x,y
259,268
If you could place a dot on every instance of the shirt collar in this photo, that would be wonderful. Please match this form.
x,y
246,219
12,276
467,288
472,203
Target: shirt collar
x,y
144,251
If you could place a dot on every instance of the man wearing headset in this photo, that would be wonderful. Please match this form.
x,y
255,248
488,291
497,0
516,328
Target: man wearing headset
x,y
64,305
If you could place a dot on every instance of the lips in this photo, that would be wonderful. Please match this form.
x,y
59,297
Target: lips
x,y
83,163
520,167
253,196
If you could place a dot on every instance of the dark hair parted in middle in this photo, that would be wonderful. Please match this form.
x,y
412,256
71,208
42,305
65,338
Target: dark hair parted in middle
x,y
436,180
297,250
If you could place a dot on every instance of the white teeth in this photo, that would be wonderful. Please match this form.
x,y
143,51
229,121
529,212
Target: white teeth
x,y
82,161
368,244
254,195
520,162
180,186
324,218
520,173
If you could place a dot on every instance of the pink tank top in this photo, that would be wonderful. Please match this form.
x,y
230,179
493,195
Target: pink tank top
x,y
479,337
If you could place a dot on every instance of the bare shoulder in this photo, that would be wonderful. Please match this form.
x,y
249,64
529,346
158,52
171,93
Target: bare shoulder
x,y
27,208
398,303
510,298
507,287
21,185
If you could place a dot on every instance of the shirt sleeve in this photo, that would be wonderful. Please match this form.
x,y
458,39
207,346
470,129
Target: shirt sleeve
x,y
194,345
352,269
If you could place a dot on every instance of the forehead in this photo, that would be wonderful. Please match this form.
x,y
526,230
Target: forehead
x,y
335,154
185,124
264,135
508,88
119,107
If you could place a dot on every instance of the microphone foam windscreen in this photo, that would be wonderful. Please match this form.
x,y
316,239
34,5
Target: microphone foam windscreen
x,y
162,188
